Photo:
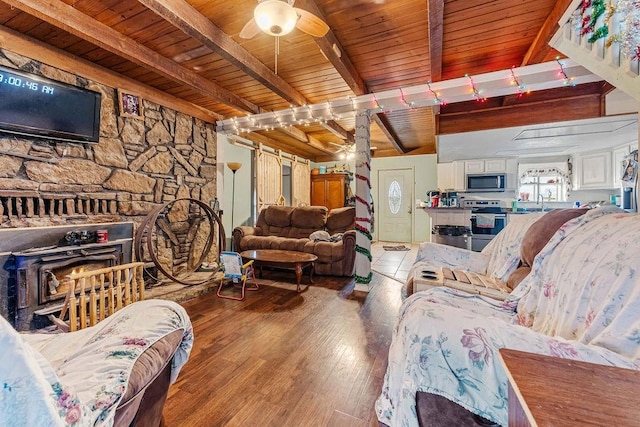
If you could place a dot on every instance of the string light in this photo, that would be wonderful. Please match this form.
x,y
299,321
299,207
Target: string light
x,y
563,73
334,116
354,106
376,103
436,98
411,98
404,100
514,80
277,120
476,92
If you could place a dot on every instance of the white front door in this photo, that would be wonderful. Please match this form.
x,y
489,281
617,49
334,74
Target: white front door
x,y
395,200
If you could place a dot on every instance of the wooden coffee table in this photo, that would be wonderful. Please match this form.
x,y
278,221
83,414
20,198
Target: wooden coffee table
x,y
288,260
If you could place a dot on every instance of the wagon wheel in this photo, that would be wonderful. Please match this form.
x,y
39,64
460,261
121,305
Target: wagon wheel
x,y
178,237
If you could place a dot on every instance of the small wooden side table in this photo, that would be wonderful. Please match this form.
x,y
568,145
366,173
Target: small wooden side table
x,y
551,391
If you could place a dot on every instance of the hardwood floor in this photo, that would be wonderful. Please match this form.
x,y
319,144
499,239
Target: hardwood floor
x,y
279,358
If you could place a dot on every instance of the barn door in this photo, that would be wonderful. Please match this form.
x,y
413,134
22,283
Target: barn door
x,y
300,182
268,178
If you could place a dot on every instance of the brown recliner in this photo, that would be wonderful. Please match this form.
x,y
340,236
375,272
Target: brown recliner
x,y
289,228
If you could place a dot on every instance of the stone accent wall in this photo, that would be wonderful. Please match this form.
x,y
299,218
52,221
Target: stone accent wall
x,y
138,164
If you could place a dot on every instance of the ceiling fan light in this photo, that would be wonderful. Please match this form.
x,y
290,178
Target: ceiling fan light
x,y
275,17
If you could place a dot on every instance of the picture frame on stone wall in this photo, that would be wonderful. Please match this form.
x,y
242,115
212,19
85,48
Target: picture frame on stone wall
x,y
129,104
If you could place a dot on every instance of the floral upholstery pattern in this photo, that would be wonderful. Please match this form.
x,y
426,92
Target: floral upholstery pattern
x,y
498,259
78,379
580,301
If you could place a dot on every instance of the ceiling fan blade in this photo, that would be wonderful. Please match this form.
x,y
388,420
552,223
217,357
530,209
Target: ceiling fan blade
x,y
311,24
249,30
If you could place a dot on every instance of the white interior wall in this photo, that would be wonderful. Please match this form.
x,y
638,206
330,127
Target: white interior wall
x,y
243,210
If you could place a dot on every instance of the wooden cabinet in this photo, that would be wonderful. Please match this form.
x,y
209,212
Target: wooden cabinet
x,y
485,166
474,166
329,190
451,176
594,171
449,216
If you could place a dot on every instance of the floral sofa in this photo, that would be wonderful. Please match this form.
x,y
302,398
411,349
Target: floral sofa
x,y
581,300
289,228
115,373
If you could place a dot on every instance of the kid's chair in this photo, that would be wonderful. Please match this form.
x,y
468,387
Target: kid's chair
x,y
238,273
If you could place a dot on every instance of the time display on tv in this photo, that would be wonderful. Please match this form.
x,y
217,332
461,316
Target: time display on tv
x,y
12,80
36,106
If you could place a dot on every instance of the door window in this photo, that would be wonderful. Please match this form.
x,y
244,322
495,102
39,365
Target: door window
x,y
395,197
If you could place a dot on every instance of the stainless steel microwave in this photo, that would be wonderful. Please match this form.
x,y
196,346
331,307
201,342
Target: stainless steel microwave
x,y
486,182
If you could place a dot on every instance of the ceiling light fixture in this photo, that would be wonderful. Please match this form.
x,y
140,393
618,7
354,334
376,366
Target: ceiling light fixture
x,y
275,17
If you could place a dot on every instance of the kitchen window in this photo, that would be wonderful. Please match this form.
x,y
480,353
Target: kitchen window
x,y
549,181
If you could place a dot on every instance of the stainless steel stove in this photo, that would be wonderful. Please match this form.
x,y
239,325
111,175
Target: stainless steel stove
x,y
488,218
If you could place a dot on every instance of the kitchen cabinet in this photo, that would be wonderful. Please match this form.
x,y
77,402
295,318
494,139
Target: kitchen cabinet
x,y
485,166
329,189
448,216
451,176
593,171
459,179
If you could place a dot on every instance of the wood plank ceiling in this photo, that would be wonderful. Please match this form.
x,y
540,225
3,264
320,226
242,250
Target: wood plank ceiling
x,y
190,50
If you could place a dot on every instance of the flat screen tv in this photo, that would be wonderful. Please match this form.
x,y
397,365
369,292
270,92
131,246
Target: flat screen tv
x,y
36,106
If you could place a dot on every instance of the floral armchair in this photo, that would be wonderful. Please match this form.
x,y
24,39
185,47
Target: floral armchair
x,y
115,373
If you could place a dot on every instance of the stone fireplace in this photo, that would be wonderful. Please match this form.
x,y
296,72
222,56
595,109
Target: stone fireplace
x,y
48,188
35,261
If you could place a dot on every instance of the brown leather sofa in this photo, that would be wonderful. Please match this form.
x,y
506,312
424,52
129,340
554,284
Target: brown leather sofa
x,y
289,228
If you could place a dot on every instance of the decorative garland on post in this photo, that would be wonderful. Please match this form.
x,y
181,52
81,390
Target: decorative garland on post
x,y
364,209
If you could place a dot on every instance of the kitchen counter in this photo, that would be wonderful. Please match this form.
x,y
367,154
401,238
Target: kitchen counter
x,y
443,209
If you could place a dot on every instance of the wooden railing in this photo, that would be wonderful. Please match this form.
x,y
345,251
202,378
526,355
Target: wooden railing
x,y
602,56
94,295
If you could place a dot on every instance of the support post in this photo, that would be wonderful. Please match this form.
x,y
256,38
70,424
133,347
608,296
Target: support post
x,y
364,208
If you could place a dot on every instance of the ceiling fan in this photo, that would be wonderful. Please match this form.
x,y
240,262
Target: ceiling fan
x,y
279,17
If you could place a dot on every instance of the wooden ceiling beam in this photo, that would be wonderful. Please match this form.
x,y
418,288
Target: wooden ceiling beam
x,y
436,18
387,130
556,110
39,51
564,92
540,47
63,16
275,144
339,131
296,133
335,53
186,18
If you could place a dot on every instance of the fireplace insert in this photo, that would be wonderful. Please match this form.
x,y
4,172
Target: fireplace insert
x,y
37,260
37,277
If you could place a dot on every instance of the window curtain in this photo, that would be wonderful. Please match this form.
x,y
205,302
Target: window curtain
x,y
547,171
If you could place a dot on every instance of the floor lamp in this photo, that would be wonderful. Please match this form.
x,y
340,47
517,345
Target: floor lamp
x,y
234,166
